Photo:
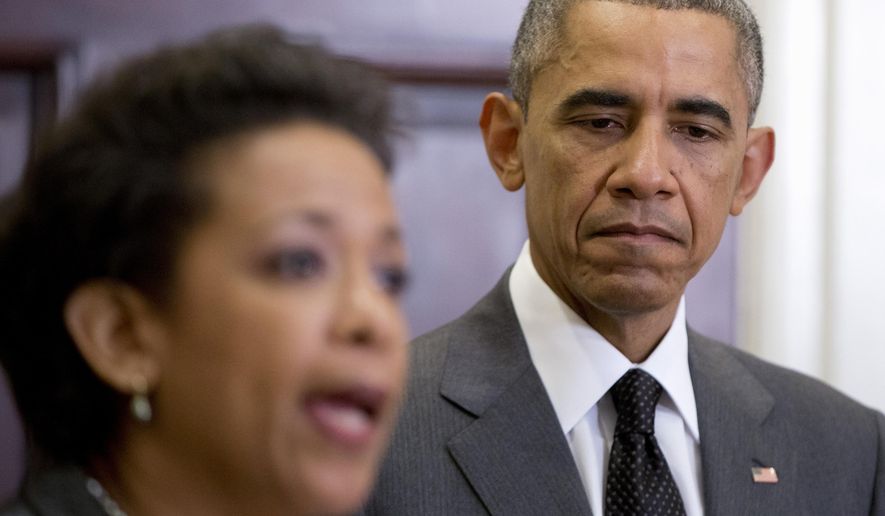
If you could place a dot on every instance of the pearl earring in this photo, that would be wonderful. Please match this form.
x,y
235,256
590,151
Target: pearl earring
x,y
139,404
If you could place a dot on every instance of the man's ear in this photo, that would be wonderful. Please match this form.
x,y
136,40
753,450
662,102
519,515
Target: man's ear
x,y
757,160
501,122
117,332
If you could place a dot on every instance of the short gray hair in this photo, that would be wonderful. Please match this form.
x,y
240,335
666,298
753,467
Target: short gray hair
x,y
542,31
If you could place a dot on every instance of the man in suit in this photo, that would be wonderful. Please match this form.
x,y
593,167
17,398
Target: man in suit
x,y
631,130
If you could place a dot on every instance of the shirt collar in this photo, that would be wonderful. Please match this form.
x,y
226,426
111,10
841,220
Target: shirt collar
x,y
578,366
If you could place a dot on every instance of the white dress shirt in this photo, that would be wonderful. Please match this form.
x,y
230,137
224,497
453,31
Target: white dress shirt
x,y
578,366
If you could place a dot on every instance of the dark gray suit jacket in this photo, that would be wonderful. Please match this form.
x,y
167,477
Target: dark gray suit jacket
x,y
478,433
56,492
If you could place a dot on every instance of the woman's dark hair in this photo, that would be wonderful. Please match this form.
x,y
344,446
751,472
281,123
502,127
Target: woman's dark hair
x,y
108,194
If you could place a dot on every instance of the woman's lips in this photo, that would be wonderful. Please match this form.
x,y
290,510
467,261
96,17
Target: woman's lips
x,y
349,417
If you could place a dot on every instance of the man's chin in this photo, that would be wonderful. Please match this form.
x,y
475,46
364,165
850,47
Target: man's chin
x,y
626,296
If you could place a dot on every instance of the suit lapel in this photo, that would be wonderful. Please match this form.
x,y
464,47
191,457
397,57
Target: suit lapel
x,y
732,409
514,455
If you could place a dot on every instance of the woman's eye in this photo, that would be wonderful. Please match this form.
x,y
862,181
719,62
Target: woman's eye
x,y
393,280
297,264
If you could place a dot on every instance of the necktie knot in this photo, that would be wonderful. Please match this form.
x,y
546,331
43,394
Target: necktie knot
x,y
635,396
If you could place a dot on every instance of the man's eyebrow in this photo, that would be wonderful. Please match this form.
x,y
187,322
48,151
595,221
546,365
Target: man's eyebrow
x,y
593,97
705,107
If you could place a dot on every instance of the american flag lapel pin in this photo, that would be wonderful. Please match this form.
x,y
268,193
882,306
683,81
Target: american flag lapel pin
x,y
764,476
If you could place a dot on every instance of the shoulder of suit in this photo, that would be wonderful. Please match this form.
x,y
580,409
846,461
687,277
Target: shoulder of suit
x,y
799,389
491,313
433,338
427,355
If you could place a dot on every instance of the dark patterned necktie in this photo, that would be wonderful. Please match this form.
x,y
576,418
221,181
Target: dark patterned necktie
x,y
639,481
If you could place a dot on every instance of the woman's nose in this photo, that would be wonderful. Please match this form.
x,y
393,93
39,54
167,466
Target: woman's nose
x,y
366,314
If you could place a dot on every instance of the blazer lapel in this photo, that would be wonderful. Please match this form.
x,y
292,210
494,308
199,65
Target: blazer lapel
x,y
514,455
732,409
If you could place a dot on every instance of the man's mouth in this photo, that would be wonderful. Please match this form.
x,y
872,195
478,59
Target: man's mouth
x,y
640,233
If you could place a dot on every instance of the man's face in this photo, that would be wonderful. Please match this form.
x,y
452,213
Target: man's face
x,y
632,155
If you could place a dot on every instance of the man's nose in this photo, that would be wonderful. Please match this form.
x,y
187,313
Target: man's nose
x,y
644,169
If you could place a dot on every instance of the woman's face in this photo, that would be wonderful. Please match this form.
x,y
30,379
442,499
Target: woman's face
x,y
286,345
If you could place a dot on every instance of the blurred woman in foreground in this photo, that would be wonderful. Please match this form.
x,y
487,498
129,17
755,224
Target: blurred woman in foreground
x,y
200,277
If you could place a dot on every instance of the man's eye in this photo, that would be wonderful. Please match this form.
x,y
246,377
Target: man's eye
x,y
600,123
296,264
393,280
697,133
